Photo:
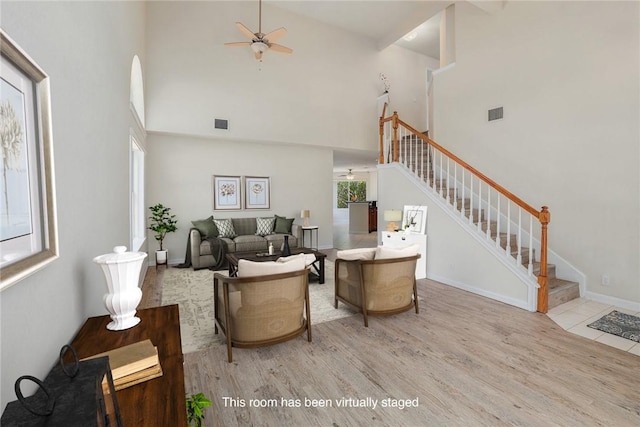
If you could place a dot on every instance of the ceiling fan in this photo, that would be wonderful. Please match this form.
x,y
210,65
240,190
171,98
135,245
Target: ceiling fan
x,y
349,175
260,42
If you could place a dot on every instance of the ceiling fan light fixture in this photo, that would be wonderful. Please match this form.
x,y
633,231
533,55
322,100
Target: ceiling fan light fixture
x,y
259,47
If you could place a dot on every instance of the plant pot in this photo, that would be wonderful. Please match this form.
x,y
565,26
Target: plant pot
x,y
161,257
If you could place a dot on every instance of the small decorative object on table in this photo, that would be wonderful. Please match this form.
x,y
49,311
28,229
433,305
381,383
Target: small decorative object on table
x,y
286,251
81,393
122,271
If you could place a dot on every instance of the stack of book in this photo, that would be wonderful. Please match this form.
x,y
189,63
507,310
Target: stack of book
x,y
132,364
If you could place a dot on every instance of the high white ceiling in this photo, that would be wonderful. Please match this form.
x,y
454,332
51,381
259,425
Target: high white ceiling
x,y
383,21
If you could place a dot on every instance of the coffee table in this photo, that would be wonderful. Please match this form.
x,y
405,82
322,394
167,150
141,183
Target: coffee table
x,y
318,264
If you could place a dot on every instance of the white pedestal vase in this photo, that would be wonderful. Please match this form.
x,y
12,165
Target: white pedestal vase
x,y
122,271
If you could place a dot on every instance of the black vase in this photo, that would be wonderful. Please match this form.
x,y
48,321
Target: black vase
x,y
286,251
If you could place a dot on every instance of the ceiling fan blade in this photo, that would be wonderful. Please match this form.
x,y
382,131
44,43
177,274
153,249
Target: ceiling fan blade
x,y
244,30
238,44
258,55
280,49
275,35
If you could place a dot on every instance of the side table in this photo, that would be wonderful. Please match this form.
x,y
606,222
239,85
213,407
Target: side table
x,y
160,402
310,229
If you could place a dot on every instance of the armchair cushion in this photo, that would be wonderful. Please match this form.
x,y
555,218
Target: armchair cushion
x,y
355,254
308,258
248,268
383,252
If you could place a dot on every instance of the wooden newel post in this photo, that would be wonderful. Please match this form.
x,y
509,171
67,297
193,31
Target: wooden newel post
x,y
381,156
396,144
543,290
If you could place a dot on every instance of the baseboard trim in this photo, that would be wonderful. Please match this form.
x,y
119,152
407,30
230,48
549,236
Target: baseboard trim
x,y
479,291
618,302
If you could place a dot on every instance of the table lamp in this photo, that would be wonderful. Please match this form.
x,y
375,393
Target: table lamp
x,y
305,214
391,217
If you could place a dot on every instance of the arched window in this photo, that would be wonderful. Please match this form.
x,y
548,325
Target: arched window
x,y
136,158
136,91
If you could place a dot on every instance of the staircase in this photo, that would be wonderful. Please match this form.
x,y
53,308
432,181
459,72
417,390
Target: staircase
x,y
469,194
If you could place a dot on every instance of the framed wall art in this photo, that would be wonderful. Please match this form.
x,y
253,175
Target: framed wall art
x,y
257,192
227,193
28,227
415,219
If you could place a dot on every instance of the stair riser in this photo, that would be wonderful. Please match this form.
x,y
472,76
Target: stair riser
x,y
564,294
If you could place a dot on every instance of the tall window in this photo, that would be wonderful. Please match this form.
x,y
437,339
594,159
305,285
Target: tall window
x,y
137,195
136,158
350,191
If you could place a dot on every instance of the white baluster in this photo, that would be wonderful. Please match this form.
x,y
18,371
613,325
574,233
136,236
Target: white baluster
x,y
463,201
455,185
498,215
448,186
440,174
507,249
519,259
479,214
530,266
488,212
470,198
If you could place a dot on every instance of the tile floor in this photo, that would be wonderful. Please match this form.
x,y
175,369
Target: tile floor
x,y
574,316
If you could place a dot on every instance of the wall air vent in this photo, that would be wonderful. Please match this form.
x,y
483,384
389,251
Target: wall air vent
x,y
221,124
496,114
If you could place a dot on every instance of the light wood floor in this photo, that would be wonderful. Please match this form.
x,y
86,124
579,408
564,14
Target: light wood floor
x,y
467,359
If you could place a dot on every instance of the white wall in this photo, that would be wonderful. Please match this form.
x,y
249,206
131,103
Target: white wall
x,y
87,49
180,170
324,94
566,74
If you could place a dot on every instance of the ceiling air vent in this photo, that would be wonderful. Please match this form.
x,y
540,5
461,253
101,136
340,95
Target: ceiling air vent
x,y
221,124
496,114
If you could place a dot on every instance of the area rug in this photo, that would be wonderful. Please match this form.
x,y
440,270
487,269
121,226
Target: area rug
x,y
620,324
193,292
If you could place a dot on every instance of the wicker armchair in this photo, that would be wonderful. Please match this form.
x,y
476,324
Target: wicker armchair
x,y
377,287
261,310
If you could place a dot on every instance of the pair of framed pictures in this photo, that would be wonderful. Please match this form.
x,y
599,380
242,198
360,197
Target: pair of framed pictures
x,y
228,191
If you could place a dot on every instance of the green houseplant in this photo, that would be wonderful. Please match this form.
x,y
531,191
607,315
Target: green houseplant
x,y
195,404
161,223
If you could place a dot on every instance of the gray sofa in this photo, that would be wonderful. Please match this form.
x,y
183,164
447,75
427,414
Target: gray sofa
x,y
246,240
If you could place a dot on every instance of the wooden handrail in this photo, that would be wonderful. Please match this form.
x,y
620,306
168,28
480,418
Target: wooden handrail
x,y
543,216
476,172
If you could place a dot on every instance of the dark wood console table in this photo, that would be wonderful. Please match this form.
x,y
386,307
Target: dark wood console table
x,y
157,402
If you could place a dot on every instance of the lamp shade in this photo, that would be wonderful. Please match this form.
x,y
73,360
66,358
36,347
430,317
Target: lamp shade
x,y
305,214
393,215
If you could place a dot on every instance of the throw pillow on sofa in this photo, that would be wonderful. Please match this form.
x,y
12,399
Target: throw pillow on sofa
x,y
265,226
283,225
225,228
206,227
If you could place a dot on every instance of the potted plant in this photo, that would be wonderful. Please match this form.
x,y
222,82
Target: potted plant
x,y
162,222
195,404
